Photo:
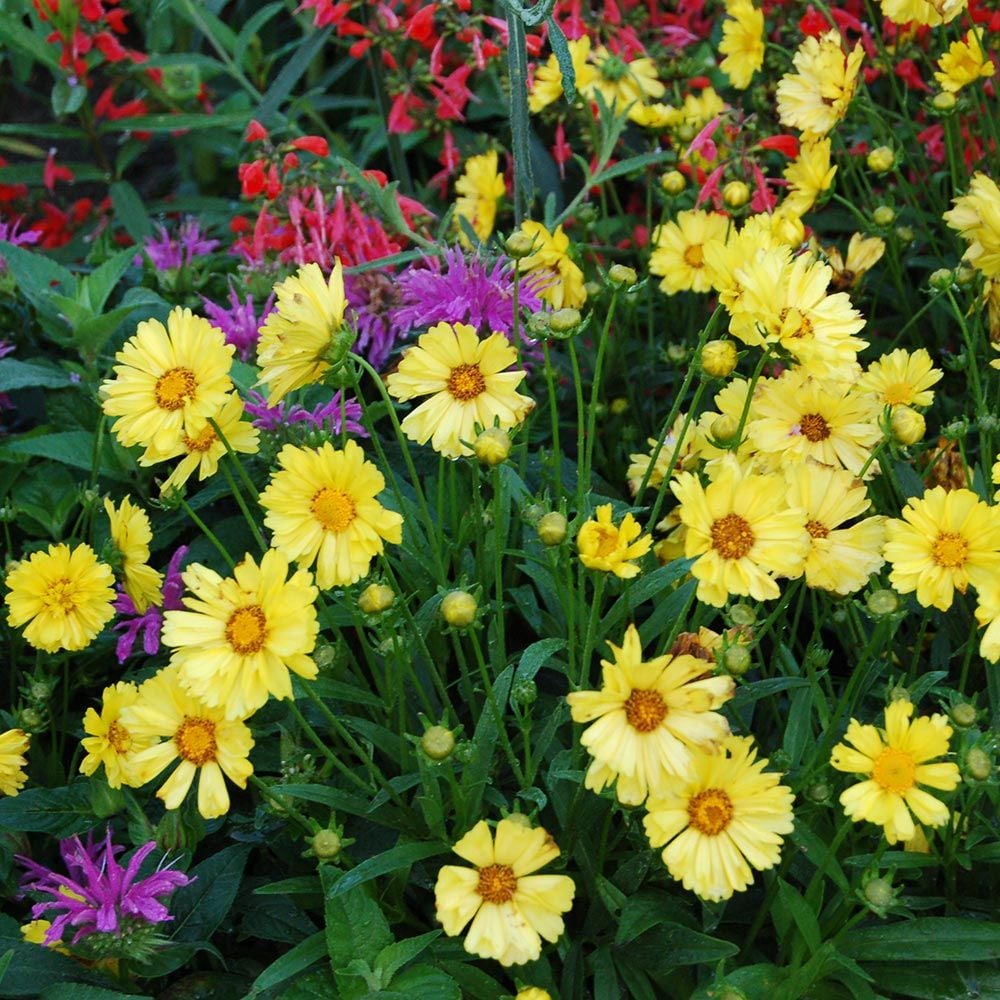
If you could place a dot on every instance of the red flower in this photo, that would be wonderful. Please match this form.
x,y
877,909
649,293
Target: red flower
x,y
255,132
252,178
314,144
788,145
52,172
420,27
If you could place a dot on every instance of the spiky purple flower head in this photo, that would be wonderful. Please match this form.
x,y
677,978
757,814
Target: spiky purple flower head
x,y
339,413
169,253
150,622
240,322
374,298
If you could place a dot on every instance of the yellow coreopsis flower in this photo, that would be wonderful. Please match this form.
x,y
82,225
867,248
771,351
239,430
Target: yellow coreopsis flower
x,y
946,540
963,63
976,216
240,636
742,42
305,334
988,617
468,385
13,746
108,740
809,176
896,764
679,257
511,909
131,534
902,378
647,717
608,547
322,509
550,259
924,12
63,595
720,821
205,744
169,380
547,86
480,189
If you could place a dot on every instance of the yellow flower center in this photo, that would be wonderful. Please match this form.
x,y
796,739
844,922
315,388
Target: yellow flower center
x,y
202,441
732,536
895,770
898,392
119,737
174,388
950,550
466,382
333,508
710,811
497,883
195,740
817,529
60,596
246,630
794,324
694,256
814,427
607,540
645,710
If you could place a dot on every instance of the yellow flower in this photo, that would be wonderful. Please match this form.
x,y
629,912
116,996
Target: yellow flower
x,y
550,259
902,378
109,741
742,531
687,455
321,509
480,187
655,116
622,83
727,816
742,43
13,746
510,908
168,382
679,257
305,333
896,765
817,97
963,63
924,12
467,383
976,216
863,253
649,714
131,534
65,597
547,86
809,175
604,546
839,560
241,635
533,993
946,540
206,744
34,932
988,617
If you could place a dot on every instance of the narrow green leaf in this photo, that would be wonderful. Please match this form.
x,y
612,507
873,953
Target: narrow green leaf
x,y
253,25
535,657
557,39
797,913
290,75
397,954
298,959
129,210
200,907
17,36
396,858
926,939
16,374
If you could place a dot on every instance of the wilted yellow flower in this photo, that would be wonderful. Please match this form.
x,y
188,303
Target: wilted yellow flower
x,y
863,253
131,534
13,746
608,547
480,188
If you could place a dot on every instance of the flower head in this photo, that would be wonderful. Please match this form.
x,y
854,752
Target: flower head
x,y
679,257
902,378
896,764
480,189
976,217
170,253
965,62
108,740
550,262
742,42
131,534
923,12
13,746
609,547
240,323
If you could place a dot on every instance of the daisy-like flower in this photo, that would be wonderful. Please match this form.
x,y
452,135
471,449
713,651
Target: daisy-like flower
x,y
742,42
817,97
467,383
547,85
610,548
687,455
863,253
480,189
679,257
988,617
622,82
201,739
902,378
742,531
131,534
963,63
511,909
13,746
809,176
305,334
108,740
240,636
560,279
322,509
929,13
649,714
895,764
840,559
722,819
203,449
946,540
63,595
169,380
976,216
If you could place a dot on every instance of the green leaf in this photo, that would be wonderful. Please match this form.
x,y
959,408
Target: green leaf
x,y
647,587
32,969
475,983
61,812
645,910
394,956
298,959
664,947
425,982
535,656
253,25
936,982
792,910
400,856
37,275
72,448
129,209
290,74
177,123
100,283
77,991
16,374
199,908
17,36
557,39
66,99
926,939
355,926
798,730
298,884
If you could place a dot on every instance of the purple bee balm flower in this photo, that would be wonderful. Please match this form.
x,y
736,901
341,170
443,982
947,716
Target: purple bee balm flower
x,y
374,298
240,322
168,253
150,623
97,894
328,416
9,234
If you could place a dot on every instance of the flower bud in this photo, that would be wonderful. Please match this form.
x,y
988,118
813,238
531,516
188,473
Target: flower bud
x,y
591,289
965,275
905,234
899,693
326,845
941,279
538,325
619,405
519,245
944,101
963,714
533,513
908,426
883,216
376,598
978,764
881,159
736,660
524,693
673,182
819,791
619,274
459,608
677,353
882,602
492,446
879,893
742,614
735,194
724,428
552,528
438,743
563,322
324,655
719,358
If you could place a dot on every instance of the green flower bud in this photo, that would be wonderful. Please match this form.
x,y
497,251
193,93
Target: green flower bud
x,y
719,358
438,743
552,528
736,660
376,598
619,274
492,447
882,602
326,845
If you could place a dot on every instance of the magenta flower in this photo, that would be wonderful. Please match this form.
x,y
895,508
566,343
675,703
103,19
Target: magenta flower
x,y
170,253
327,417
240,322
96,894
374,298
9,234
149,623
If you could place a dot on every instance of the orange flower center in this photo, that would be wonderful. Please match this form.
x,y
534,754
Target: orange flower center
x,y
732,536
466,382
694,256
899,392
60,596
814,427
174,388
202,441
817,529
333,508
710,811
645,710
119,737
950,550
195,740
497,883
246,630
895,770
